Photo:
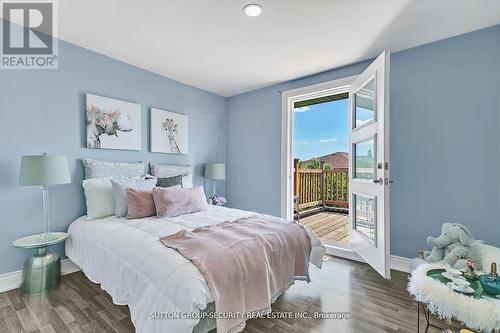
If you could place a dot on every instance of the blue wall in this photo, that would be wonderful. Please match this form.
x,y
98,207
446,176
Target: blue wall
x,y
445,134
43,111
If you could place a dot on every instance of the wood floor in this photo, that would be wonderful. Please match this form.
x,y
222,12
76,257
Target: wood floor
x,y
374,304
329,226
78,305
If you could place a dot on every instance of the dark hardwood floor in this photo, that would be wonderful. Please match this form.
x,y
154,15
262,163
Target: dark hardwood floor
x,y
375,305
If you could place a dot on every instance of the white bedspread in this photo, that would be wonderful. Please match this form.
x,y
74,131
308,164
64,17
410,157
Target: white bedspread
x,y
127,259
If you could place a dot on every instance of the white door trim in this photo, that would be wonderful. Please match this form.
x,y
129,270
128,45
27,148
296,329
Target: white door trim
x,y
375,250
288,98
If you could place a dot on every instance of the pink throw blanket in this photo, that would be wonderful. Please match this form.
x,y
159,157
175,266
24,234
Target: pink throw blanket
x,y
247,263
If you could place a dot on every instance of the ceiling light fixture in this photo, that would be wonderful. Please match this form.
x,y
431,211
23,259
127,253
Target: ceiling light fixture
x,y
252,9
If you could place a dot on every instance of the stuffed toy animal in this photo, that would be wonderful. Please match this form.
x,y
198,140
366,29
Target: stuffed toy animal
x,y
453,246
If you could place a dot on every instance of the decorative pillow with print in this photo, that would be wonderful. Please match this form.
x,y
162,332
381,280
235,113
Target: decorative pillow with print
x,y
170,170
169,181
104,169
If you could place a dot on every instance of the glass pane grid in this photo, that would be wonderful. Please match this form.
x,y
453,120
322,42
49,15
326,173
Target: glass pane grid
x,y
364,159
364,102
364,216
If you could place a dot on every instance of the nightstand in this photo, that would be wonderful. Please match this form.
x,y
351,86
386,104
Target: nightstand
x,y
41,272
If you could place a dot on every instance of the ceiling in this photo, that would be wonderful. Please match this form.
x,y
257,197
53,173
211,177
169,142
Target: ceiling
x,y
212,45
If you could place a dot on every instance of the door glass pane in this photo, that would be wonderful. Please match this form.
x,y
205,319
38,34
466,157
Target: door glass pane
x,y
364,218
364,159
364,111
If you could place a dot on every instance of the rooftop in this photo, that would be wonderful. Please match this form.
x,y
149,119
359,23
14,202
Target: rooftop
x,y
338,160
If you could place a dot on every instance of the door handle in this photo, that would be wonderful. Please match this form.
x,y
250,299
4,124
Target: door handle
x,y
379,181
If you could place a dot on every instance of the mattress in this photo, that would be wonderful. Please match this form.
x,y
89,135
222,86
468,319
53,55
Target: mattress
x,y
126,258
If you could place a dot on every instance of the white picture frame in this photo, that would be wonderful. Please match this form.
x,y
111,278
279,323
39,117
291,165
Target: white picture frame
x,y
112,123
169,132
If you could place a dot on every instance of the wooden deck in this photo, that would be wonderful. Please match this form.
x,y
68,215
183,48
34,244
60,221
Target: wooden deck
x,y
329,226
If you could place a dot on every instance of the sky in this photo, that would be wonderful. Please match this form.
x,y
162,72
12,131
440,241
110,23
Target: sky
x,y
321,129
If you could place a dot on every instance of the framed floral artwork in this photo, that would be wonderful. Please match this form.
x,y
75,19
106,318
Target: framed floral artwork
x,y
112,123
169,132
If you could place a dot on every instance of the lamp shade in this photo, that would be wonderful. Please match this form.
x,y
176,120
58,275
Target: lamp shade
x,y
215,171
44,170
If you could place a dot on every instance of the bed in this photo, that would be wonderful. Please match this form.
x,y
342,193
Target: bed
x,y
126,258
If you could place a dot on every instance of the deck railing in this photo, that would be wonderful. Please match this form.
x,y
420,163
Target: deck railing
x,y
319,187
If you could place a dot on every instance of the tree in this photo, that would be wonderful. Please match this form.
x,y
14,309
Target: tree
x,y
315,164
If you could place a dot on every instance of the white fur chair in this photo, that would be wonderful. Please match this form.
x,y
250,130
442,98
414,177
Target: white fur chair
x,y
486,254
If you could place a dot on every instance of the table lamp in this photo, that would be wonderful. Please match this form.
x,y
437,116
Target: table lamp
x,y
214,172
43,171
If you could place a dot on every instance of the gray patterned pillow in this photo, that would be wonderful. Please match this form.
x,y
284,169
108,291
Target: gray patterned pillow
x,y
105,169
170,170
169,181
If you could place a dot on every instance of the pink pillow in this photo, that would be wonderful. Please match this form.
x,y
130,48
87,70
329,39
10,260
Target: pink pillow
x,y
175,201
140,204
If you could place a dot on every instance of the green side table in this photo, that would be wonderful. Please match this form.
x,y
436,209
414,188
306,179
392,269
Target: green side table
x,y
41,272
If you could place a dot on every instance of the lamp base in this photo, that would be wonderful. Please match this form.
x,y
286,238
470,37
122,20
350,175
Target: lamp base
x,y
41,273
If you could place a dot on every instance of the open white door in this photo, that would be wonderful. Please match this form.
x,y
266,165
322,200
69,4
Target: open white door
x,y
369,165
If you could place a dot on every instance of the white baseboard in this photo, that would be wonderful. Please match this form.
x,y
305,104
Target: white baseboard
x,y
401,264
12,280
397,263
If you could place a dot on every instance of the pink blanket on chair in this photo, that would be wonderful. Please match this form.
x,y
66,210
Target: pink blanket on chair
x,y
247,263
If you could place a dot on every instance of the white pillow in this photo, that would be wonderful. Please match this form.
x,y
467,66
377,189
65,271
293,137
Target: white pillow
x,y
171,170
99,197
